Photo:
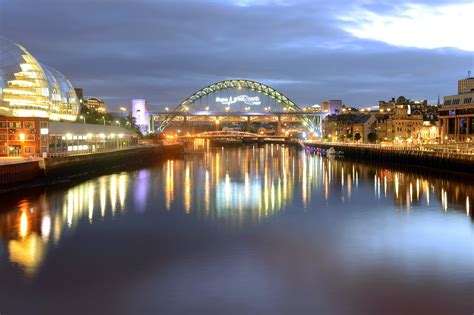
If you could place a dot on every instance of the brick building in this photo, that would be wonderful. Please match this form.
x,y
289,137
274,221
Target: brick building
x,y
23,136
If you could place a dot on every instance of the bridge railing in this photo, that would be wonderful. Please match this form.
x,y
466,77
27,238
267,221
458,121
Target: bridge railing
x,y
89,152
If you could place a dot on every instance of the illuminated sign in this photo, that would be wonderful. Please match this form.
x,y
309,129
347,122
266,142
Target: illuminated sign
x,y
248,100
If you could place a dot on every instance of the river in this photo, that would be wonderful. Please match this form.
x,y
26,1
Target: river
x,y
253,230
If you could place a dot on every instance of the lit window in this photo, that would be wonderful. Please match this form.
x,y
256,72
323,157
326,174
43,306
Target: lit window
x,y
29,124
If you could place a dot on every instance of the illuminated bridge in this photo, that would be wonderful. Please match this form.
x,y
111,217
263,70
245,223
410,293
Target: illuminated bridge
x,y
228,134
241,104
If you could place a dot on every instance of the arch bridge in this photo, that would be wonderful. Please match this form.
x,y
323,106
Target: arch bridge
x,y
191,111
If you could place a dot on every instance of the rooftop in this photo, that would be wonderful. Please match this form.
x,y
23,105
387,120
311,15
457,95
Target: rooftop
x,y
60,128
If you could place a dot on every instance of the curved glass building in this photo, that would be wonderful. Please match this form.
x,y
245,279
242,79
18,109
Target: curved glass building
x,y
30,89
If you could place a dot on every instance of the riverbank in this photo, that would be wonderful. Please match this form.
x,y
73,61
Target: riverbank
x,y
59,170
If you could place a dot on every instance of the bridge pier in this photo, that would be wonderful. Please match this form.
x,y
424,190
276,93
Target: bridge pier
x,y
217,122
184,125
248,124
278,126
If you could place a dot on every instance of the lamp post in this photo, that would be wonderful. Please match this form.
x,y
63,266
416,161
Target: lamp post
x,y
83,119
103,119
118,123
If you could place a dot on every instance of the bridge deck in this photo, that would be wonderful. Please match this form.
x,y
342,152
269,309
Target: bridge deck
x,y
215,113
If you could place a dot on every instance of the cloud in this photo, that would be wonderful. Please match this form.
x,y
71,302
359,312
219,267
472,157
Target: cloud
x,y
415,25
165,50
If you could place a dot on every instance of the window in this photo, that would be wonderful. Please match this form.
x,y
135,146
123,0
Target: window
x,y
3,137
43,124
44,138
14,124
28,124
30,137
467,100
29,150
3,124
447,102
456,101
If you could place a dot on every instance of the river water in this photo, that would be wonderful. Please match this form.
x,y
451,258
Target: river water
x,y
254,230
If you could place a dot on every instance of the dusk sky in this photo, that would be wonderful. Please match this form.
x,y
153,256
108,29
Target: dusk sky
x,y
360,51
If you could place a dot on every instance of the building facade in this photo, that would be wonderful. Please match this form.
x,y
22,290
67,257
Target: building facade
x,y
69,138
403,121
400,102
466,86
23,137
457,114
362,127
140,115
80,95
96,105
332,107
350,127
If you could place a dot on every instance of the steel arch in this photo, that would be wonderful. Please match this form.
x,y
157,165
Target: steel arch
x,y
239,84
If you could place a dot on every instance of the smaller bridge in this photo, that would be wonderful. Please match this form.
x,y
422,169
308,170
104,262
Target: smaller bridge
x,y
229,134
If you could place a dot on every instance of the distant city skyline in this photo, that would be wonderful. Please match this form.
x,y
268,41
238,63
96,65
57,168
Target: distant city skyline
x,y
359,51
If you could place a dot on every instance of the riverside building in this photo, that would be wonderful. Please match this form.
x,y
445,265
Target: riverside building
x,y
31,89
457,114
37,108
27,136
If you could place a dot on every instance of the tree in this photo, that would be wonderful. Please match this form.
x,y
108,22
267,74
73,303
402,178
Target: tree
x,y
357,137
372,137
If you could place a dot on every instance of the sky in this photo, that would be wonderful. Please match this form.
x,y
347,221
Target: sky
x,y
360,51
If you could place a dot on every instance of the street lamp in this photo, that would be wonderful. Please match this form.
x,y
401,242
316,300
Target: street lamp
x,y
83,119
118,123
103,119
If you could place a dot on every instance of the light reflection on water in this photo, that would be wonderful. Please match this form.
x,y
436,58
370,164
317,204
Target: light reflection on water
x,y
238,188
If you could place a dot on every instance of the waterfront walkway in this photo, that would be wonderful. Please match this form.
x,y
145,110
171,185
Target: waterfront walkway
x,y
18,160
461,149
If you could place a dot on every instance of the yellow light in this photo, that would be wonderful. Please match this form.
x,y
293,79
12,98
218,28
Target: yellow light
x,y
22,137
23,225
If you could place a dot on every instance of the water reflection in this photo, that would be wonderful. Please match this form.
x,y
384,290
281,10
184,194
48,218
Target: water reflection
x,y
232,187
